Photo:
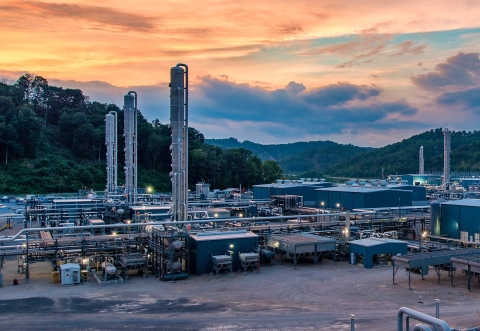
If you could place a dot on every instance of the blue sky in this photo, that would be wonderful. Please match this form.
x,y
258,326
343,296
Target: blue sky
x,y
359,72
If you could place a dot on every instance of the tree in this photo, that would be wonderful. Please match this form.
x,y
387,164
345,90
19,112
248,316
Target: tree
x,y
271,171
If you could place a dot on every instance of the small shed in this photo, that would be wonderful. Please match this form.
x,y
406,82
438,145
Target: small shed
x,y
373,247
204,245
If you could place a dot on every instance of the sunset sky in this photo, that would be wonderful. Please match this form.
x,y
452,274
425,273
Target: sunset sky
x,y
365,72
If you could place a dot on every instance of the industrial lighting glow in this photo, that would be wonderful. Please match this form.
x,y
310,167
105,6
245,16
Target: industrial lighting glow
x,y
114,233
338,205
215,215
231,246
240,215
149,189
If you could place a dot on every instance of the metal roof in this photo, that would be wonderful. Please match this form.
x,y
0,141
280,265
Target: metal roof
x,y
369,242
352,189
463,202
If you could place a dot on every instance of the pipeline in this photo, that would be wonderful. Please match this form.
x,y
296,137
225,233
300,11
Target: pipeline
x,y
421,317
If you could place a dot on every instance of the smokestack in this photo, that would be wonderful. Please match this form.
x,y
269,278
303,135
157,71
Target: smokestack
x,y
421,162
446,158
179,147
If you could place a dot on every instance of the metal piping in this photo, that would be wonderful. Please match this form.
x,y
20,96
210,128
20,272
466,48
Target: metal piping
x,y
421,327
419,317
23,231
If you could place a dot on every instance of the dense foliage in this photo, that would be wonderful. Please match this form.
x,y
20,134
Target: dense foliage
x,y
305,159
52,140
403,157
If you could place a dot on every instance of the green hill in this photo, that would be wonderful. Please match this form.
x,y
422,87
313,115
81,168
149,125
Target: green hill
x,y
403,157
52,140
301,158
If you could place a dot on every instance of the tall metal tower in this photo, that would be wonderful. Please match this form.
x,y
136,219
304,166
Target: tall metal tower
x,y
421,170
130,133
446,158
179,147
111,143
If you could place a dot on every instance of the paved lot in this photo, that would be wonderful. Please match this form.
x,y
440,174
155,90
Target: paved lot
x,y
278,298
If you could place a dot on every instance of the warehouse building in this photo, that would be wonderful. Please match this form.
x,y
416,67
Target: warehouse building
x,y
422,179
306,189
348,197
419,193
457,219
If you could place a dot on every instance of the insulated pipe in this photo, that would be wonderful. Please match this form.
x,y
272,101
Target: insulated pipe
x,y
419,317
421,327
105,226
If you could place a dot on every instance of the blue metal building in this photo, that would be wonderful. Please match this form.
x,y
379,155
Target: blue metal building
x,y
305,189
348,197
419,193
419,179
371,247
457,219
204,245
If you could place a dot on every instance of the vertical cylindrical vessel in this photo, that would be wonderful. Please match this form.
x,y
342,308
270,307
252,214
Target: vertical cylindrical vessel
x,y
111,144
435,218
446,159
130,119
420,161
179,147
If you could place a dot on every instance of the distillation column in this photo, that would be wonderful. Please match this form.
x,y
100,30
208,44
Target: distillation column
x,y
130,133
446,159
111,143
421,170
179,147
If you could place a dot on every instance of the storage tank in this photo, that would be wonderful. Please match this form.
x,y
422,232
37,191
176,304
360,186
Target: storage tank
x,y
435,218
109,269
453,188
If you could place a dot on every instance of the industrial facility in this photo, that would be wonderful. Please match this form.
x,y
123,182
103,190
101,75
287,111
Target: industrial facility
x,y
126,232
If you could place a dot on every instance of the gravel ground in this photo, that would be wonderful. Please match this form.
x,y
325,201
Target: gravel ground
x,y
278,298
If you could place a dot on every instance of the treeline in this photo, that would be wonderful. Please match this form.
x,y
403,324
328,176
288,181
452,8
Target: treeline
x,y
304,159
52,140
403,157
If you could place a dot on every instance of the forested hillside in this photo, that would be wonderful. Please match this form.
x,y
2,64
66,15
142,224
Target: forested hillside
x,y
403,157
307,159
52,140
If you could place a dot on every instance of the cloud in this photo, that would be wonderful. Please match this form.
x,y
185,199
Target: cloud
x,y
104,16
295,87
468,98
331,109
459,71
407,47
338,94
366,47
